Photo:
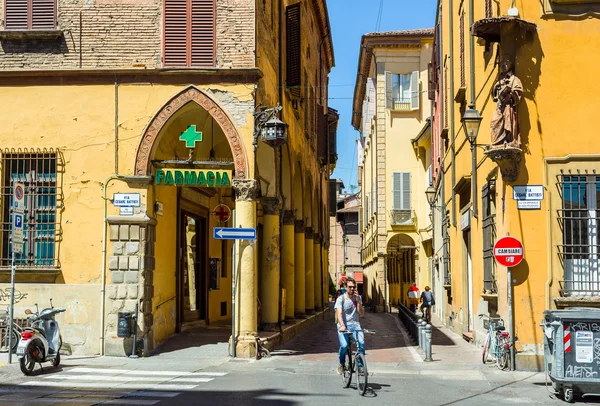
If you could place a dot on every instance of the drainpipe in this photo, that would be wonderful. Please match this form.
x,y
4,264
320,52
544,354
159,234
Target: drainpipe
x,y
451,112
104,244
472,92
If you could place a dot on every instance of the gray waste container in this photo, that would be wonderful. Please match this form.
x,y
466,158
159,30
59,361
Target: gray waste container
x,y
571,358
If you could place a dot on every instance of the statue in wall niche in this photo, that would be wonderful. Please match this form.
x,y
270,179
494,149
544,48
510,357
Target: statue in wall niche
x,y
507,93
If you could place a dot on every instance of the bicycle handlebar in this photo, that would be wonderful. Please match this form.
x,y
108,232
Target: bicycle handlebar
x,y
359,331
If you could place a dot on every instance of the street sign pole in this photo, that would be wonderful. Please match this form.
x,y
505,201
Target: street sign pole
x,y
12,305
511,328
17,246
233,268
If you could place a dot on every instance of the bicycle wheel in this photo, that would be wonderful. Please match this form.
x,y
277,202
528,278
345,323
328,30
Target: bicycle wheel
x,y
15,340
486,348
347,373
361,374
503,354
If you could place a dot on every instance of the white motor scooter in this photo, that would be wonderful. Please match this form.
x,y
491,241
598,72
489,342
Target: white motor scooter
x,y
42,341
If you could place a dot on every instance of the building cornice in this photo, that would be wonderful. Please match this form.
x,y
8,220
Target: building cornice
x,y
130,75
391,39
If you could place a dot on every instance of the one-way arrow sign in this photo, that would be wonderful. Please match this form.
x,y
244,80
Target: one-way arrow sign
x,y
221,233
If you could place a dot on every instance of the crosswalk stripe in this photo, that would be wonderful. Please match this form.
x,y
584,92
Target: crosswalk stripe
x,y
140,402
149,394
143,372
126,378
61,401
110,385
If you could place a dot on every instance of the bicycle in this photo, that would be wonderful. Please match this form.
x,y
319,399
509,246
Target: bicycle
x,y
497,342
352,362
16,333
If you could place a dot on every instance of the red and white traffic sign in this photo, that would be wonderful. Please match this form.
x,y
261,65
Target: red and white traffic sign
x,y
508,251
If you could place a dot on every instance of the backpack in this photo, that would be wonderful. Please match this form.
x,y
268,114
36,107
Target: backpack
x,y
335,320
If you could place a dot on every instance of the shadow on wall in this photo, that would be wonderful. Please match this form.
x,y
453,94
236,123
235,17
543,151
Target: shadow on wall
x,y
34,45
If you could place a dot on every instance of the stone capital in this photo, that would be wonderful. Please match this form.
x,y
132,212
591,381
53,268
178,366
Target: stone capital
x,y
288,217
317,238
326,244
271,205
299,226
308,232
246,189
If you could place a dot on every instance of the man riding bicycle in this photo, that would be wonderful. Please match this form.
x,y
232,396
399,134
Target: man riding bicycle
x,y
348,309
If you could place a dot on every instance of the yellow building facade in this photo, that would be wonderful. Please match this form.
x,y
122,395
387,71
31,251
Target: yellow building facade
x,y
391,110
132,157
528,174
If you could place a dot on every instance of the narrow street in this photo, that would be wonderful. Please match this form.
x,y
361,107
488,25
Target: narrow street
x,y
300,372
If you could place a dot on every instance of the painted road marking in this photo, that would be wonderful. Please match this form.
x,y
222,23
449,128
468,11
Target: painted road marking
x,y
142,372
126,378
100,385
413,352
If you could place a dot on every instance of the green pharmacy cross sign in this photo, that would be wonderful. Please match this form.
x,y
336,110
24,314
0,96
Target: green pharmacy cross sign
x,y
190,136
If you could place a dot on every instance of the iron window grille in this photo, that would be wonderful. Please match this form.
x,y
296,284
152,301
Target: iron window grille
x,y
40,172
488,199
578,220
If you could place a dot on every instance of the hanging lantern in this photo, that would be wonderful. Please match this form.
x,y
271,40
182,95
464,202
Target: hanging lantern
x,y
274,132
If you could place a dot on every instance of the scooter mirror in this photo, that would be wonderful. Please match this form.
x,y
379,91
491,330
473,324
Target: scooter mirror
x,y
27,311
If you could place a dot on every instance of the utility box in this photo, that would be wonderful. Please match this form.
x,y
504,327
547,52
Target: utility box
x,y
124,324
571,362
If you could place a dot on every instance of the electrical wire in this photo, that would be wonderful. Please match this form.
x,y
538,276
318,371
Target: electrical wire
x,y
379,16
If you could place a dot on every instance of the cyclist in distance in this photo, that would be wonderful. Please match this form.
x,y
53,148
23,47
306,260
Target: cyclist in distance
x,y
348,310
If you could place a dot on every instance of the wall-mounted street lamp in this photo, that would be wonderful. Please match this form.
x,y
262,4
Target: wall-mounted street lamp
x,y
430,194
471,121
268,127
274,132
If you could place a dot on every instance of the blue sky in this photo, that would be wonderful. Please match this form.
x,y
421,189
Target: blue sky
x,y
350,19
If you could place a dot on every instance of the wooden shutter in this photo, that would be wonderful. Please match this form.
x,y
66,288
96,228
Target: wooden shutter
x,y
414,89
17,15
431,81
388,91
176,33
332,140
321,136
332,197
292,43
203,33
365,119
406,204
401,191
43,14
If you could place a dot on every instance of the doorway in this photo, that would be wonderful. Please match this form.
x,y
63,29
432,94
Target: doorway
x,y
192,276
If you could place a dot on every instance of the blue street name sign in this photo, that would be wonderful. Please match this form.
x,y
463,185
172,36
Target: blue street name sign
x,y
221,233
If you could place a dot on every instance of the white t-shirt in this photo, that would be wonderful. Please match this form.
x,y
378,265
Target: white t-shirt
x,y
349,311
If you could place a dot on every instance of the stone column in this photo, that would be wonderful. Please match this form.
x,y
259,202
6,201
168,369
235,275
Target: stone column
x,y
271,271
317,272
309,264
246,305
131,267
299,271
287,271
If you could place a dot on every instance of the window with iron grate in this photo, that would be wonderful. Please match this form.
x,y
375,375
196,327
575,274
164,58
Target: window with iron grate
x,y
578,219
189,33
39,172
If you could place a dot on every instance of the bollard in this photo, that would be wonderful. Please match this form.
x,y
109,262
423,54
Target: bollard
x,y
427,342
419,335
423,324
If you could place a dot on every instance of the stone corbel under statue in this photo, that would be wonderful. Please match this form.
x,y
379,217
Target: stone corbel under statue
x,y
508,158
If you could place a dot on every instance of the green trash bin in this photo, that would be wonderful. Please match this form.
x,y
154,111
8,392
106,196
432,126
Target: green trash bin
x,y
570,337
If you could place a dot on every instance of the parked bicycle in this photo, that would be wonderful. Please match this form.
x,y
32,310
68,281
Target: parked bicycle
x,y
16,333
497,342
355,363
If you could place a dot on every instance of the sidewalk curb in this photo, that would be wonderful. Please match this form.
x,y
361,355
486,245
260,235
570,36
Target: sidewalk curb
x,y
407,340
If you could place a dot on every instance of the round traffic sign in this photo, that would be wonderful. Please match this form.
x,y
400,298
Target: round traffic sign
x,y
508,251
19,192
222,213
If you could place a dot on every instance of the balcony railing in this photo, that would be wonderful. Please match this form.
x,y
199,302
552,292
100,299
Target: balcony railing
x,y
402,217
579,288
400,104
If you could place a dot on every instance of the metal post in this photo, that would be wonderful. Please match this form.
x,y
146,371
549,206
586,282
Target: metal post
x,y
428,342
511,320
135,320
423,324
419,330
12,305
233,266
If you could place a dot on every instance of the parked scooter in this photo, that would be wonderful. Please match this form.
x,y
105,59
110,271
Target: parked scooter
x,y
42,341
